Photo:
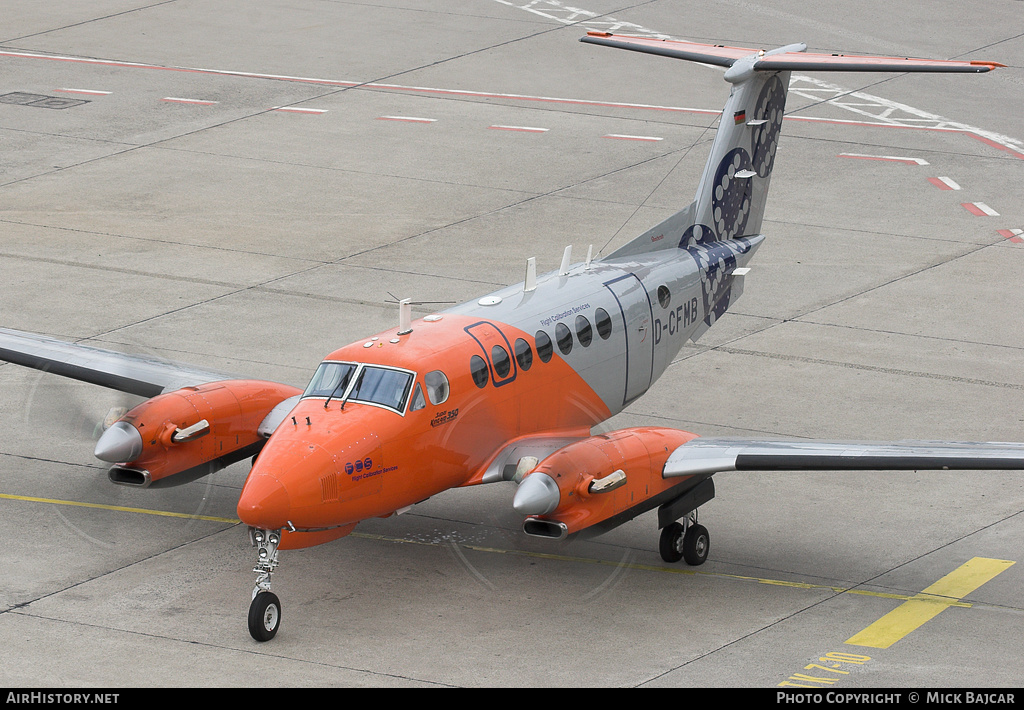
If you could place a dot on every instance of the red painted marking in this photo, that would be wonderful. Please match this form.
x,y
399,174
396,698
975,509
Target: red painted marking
x,y
521,129
87,92
198,102
1014,235
886,158
944,183
979,209
407,119
295,109
618,137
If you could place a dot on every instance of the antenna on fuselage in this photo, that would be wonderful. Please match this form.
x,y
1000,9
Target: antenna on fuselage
x,y
530,284
563,270
405,316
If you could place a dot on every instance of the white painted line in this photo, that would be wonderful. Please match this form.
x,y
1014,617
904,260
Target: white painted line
x,y
295,109
409,119
618,136
90,92
524,129
979,209
890,158
944,183
200,102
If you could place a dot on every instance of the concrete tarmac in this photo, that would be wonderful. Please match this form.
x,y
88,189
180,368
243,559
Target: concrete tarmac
x,y
246,186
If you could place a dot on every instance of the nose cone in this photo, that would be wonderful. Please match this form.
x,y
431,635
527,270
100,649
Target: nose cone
x,y
120,443
264,502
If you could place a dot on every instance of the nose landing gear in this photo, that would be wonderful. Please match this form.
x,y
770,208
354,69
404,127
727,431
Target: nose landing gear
x,y
265,610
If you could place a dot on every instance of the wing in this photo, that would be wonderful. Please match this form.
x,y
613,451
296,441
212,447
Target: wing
x,y
712,455
135,374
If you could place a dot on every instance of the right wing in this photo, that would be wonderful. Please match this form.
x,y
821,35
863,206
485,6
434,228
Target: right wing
x,y
135,374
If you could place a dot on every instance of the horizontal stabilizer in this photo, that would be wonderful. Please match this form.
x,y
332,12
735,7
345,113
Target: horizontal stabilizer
x,y
791,57
136,374
712,455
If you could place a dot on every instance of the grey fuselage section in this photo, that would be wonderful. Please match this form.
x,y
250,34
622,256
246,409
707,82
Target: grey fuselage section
x,y
620,322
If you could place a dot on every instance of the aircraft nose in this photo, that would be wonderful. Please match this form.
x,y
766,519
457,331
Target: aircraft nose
x,y
264,503
120,443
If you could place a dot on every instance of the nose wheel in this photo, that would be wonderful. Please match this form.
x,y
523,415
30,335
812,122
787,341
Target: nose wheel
x,y
264,616
265,610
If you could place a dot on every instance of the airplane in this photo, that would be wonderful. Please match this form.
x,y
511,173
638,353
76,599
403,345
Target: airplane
x,y
508,387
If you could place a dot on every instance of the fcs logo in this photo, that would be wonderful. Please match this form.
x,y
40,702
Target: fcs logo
x,y
358,466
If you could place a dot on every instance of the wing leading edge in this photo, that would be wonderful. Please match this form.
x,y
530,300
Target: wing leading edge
x,y
136,374
713,455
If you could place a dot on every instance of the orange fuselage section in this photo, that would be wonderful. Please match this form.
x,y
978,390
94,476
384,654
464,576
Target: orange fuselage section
x,y
396,432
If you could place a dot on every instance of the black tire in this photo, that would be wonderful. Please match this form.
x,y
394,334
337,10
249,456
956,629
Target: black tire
x,y
671,543
264,616
696,545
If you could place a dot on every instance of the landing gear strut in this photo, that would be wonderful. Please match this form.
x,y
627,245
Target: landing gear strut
x,y
685,541
265,610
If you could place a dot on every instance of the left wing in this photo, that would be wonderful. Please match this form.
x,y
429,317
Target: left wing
x,y
712,455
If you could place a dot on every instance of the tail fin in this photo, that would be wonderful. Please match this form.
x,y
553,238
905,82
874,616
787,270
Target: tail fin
x,y
733,190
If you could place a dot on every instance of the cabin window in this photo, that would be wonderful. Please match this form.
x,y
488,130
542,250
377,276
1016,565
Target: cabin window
x,y
544,349
584,332
604,323
563,336
501,361
524,354
664,296
478,368
418,401
437,386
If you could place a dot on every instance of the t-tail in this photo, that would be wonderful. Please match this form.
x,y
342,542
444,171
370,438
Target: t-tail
x,y
733,190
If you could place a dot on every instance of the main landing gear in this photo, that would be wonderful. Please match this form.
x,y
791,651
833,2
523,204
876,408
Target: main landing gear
x,y
681,537
265,610
685,541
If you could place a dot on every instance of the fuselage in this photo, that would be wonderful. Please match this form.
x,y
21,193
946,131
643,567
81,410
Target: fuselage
x,y
393,419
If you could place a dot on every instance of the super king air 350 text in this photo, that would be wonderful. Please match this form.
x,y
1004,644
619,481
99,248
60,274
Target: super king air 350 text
x,y
508,387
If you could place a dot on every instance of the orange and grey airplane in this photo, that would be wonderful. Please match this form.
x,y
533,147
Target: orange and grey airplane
x,y
508,387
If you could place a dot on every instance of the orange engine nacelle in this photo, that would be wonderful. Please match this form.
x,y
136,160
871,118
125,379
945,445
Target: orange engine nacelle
x,y
191,429
596,479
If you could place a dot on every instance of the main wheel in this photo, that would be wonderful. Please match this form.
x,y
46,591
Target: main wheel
x,y
671,543
264,616
696,545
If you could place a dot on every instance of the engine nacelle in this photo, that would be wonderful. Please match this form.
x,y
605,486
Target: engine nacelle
x,y
191,429
597,480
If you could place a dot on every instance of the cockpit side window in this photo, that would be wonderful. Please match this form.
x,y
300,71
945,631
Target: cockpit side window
x,y
418,401
437,386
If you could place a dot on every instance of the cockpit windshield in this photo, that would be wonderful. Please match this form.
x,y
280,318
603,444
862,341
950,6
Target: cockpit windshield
x,y
369,384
